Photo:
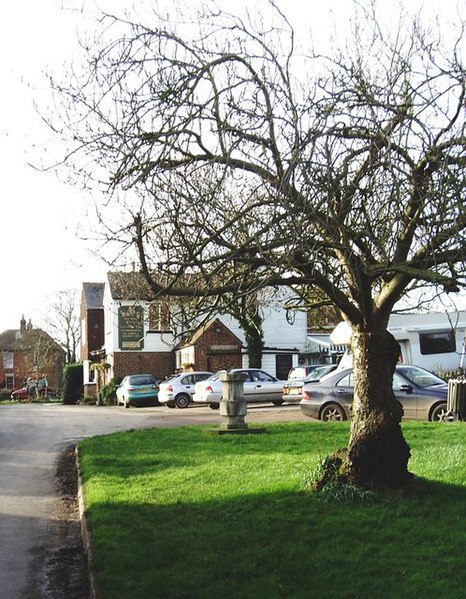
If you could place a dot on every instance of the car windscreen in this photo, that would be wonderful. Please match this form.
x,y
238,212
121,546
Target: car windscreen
x,y
141,380
317,373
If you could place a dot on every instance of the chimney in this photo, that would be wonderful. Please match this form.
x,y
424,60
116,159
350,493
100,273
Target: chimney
x,y
22,324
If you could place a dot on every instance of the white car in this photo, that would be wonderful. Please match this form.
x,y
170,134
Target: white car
x,y
178,389
259,386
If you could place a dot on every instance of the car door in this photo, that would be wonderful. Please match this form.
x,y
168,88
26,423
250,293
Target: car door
x,y
342,392
265,387
248,384
406,394
187,384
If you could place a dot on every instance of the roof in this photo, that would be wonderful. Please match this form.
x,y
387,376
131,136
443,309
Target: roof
x,y
131,286
9,338
94,294
17,340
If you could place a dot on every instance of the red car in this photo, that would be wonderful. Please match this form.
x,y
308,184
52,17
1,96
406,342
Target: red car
x,y
23,393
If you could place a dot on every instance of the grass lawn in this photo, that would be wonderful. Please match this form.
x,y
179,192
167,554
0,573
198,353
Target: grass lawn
x,y
179,513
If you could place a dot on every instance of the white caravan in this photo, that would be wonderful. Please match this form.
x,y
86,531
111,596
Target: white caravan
x,y
434,341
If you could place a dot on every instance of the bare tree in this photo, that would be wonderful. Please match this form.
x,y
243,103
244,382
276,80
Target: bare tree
x,y
240,158
62,322
42,356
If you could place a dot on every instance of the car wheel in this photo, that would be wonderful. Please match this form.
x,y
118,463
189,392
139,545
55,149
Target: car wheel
x,y
182,401
278,402
214,406
170,404
332,412
126,403
440,413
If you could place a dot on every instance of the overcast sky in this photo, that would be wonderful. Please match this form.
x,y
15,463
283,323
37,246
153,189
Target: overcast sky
x,y
40,216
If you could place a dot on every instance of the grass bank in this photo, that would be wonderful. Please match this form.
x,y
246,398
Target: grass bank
x,y
178,513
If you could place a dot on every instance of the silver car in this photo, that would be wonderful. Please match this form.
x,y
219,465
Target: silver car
x,y
259,386
422,395
293,388
178,390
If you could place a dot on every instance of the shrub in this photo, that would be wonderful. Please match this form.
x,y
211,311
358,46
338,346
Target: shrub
x,y
108,392
90,400
73,383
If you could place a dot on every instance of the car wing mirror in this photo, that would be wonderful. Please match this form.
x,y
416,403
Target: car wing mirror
x,y
408,389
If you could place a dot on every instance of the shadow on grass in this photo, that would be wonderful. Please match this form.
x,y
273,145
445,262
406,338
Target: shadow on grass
x,y
284,544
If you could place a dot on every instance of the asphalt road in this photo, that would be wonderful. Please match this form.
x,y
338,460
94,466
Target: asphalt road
x,y
32,436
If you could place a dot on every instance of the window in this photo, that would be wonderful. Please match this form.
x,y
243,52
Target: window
x,y
9,382
159,317
346,381
437,343
8,359
398,382
260,376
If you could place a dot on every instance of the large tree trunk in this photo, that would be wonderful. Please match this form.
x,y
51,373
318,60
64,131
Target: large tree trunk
x,y
378,454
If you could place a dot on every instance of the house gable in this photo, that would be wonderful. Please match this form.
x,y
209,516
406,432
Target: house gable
x,y
212,347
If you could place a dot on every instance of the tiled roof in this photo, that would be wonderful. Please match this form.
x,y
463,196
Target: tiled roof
x,y
8,339
94,294
129,286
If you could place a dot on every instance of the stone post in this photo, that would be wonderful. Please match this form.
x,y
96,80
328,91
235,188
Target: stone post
x,y
233,405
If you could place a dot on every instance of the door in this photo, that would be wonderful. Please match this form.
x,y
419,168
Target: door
x,y
283,365
266,387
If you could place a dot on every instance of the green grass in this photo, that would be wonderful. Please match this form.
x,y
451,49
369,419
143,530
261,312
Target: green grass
x,y
179,513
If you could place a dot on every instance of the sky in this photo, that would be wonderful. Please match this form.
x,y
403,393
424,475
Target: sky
x,y
41,217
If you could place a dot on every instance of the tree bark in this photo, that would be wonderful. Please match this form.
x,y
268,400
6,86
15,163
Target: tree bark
x,y
378,454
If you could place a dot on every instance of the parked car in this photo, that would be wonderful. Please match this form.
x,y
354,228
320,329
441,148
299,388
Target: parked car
x,y
292,391
136,389
23,393
423,395
301,372
259,386
178,389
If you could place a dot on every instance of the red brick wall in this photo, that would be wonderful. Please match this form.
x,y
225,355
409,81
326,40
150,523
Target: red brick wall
x,y
160,364
208,352
22,370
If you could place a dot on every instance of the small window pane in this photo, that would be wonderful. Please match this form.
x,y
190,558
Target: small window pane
x,y
437,343
8,359
346,381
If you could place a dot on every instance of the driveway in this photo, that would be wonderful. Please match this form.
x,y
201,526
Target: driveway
x,y
39,526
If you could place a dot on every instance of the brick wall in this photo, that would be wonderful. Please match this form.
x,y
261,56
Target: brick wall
x,y
217,349
22,370
160,364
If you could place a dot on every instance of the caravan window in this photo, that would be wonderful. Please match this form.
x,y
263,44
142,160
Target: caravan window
x,y
437,343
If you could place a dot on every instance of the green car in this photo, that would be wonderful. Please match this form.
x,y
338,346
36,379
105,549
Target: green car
x,y
137,388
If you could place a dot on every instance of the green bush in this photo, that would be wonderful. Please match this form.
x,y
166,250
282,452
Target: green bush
x,y
89,400
108,392
73,383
